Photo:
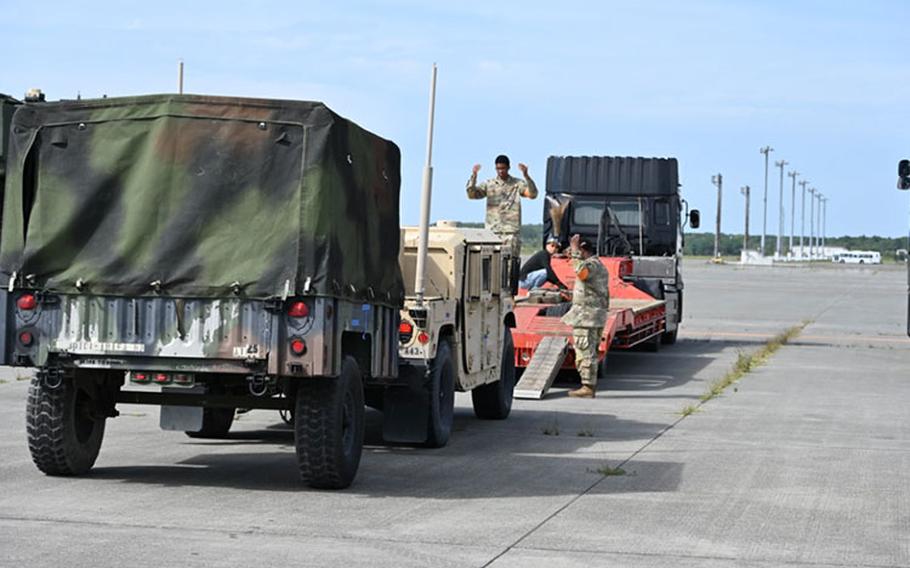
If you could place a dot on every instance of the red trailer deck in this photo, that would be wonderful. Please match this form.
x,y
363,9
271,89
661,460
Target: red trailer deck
x,y
635,317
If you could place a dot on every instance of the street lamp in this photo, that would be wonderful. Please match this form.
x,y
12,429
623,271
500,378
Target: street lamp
x,y
793,175
764,225
818,252
717,180
812,191
802,230
745,191
780,221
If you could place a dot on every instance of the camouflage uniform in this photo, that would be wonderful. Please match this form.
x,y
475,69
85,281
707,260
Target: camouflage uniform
x,y
504,206
590,302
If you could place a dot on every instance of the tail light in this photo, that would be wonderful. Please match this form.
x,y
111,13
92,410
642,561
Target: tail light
x,y
139,377
162,378
298,346
298,309
405,332
27,302
26,338
423,338
182,379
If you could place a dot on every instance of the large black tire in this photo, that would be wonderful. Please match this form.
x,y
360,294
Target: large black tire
x,y
494,401
328,428
652,345
441,396
669,338
64,426
216,423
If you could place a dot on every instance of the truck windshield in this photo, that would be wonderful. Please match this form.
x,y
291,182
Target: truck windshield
x,y
588,213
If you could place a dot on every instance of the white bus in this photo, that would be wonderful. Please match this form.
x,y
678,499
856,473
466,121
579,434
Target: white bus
x,y
858,257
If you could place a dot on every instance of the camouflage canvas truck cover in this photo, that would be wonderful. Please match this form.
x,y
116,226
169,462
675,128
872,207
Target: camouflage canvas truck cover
x,y
241,253
7,106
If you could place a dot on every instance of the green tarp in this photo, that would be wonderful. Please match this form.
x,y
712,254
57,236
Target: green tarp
x,y
196,196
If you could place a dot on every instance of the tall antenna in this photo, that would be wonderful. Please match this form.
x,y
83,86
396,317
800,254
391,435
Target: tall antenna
x,y
180,76
423,244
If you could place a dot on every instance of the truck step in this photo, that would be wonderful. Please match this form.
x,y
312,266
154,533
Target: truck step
x,y
543,368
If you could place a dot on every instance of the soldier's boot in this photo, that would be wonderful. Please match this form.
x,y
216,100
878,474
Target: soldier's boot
x,y
584,392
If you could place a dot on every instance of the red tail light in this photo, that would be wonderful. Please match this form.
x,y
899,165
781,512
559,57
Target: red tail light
x,y
162,378
298,346
26,338
423,338
140,378
27,302
298,310
405,331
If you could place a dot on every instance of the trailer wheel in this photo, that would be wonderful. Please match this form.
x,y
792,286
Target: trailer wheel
x,y
494,401
652,345
669,338
328,428
216,423
63,426
442,396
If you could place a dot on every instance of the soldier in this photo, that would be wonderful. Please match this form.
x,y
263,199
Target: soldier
x,y
504,194
588,315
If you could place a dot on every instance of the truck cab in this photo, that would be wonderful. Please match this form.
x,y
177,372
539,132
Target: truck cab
x,y
630,207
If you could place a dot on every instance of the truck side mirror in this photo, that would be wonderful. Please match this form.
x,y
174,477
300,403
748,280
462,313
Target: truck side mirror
x,y
903,174
694,218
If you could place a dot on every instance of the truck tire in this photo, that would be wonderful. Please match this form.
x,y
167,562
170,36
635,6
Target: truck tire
x,y
669,338
494,401
652,345
441,396
328,428
216,423
63,427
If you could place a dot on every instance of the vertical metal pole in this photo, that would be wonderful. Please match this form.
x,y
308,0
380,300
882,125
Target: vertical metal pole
x,y
745,191
423,244
180,76
802,230
718,181
793,175
778,248
764,225
812,191
819,253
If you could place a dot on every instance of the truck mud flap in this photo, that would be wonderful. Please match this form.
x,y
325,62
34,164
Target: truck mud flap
x,y
406,414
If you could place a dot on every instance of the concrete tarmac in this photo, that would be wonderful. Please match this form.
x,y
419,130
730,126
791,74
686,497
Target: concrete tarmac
x,y
804,462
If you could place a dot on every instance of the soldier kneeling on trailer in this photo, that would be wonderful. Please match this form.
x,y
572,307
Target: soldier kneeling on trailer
x,y
588,315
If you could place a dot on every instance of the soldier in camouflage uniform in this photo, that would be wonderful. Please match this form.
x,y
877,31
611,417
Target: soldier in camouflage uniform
x,y
590,302
504,194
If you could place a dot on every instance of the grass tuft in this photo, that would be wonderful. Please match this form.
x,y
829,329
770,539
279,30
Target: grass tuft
x,y
608,471
746,363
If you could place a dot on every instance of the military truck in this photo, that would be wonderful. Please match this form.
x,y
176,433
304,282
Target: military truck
x,y
629,207
7,107
207,254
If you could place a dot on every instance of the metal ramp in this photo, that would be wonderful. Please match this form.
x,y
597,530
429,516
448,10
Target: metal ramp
x,y
543,368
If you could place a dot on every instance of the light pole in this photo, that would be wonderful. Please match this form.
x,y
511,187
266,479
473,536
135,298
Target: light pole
x,y
793,175
802,231
824,222
812,191
818,227
745,191
780,219
718,181
764,224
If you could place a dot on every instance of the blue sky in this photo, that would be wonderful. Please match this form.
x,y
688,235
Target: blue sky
x,y
826,83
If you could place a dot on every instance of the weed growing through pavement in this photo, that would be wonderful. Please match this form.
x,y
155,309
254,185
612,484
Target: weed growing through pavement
x,y
551,429
608,471
586,433
746,363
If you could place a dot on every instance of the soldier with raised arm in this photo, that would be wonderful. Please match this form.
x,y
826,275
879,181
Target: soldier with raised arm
x,y
503,194
588,315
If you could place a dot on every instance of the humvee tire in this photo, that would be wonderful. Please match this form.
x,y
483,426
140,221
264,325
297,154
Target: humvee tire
x,y
216,422
652,345
328,427
442,396
669,338
63,428
494,401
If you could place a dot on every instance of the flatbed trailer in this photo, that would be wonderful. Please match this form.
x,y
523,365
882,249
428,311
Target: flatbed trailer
x,y
635,318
